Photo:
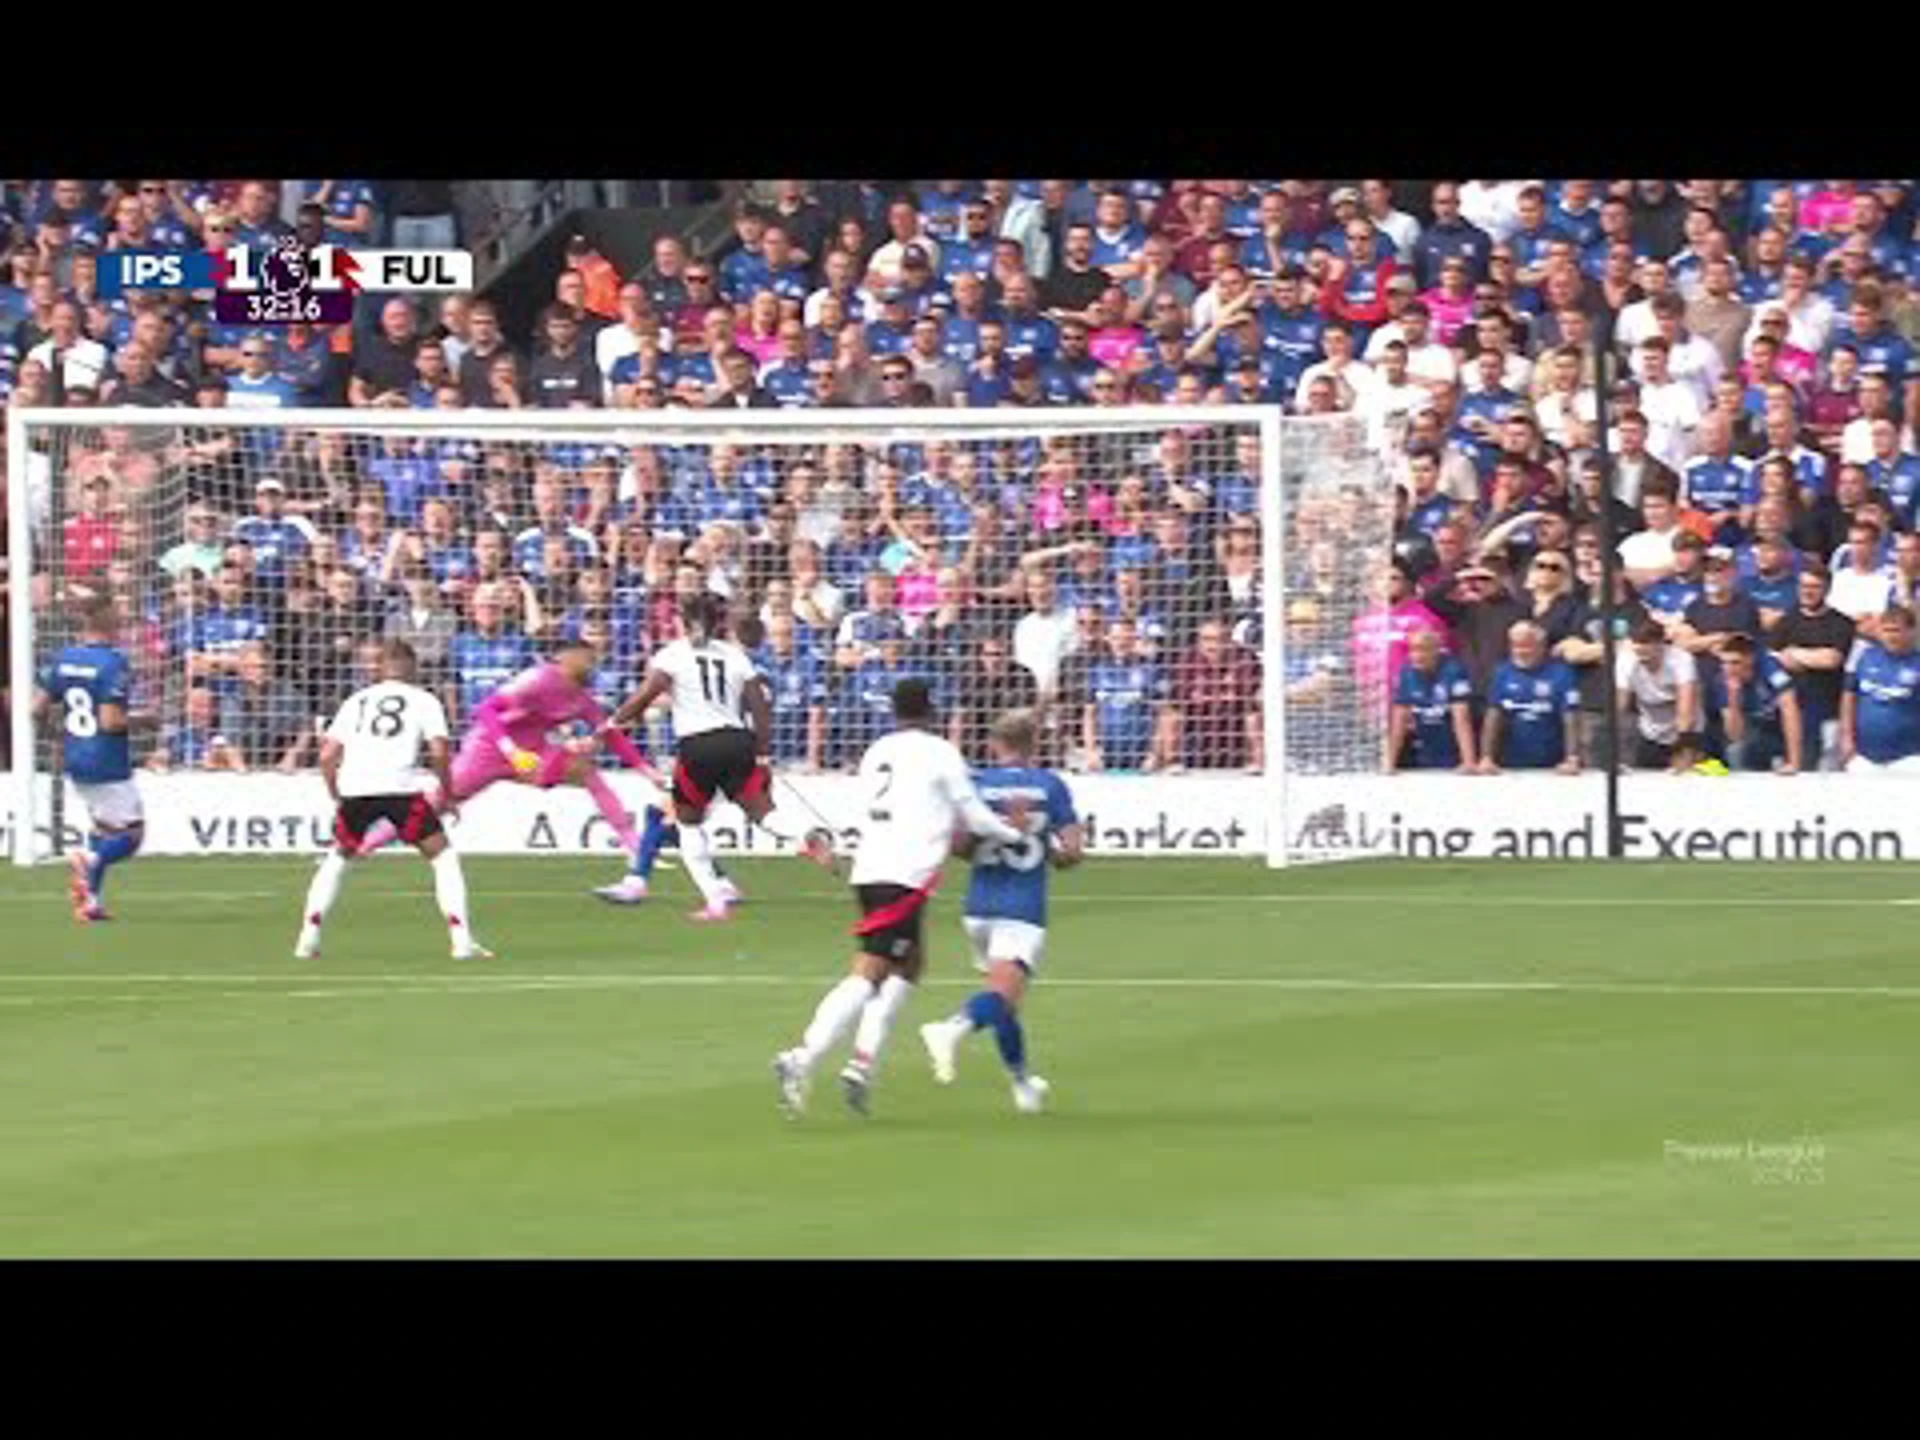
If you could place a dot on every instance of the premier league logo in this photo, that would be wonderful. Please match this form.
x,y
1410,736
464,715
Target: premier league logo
x,y
285,269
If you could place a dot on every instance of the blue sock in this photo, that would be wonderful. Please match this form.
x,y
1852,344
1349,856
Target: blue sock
x,y
656,834
989,1010
108,849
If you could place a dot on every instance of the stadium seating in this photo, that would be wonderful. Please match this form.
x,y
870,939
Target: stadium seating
x,y
1749,322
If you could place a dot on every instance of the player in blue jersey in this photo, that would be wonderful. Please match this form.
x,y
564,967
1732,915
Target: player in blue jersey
x,y
1006,912
87,683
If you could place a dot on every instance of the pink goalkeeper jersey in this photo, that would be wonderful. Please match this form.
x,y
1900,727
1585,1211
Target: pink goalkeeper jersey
x,y
534,702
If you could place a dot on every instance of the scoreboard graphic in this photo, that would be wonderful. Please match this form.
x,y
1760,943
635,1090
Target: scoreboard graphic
x,y
286,283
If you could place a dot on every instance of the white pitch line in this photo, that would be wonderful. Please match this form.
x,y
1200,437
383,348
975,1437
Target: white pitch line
x,y
356,985
1490,901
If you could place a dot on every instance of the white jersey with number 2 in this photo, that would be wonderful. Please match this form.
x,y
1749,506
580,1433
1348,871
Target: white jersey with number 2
x,y
915,790
709,682
382,730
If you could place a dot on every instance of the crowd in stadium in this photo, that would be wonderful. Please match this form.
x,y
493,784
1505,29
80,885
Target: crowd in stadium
x,y
1762,398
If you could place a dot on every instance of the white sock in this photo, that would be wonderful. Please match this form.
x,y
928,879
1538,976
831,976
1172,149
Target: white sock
x,y
837,1010
696,854
324,890
450,889
876,1018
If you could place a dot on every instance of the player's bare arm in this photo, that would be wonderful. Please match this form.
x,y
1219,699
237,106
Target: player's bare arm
x,y
656,685
1793,731
816,737
1463,736
1570,743
982,821
1490,740
760,708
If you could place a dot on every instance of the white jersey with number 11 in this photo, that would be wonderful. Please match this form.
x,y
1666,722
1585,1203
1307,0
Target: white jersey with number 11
x,y
709,682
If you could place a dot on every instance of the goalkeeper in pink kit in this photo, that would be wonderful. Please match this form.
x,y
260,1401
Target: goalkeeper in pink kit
x,y
508,739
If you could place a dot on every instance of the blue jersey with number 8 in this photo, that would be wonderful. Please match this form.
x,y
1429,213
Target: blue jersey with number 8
x,y
1010,881
81,680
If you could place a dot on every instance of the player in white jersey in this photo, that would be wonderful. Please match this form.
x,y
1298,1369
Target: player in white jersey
x,y
370,761
918,795
723,728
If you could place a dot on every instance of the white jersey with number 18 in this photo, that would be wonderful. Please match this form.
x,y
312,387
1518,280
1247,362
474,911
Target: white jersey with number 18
x,y
382,730
709,682
916,790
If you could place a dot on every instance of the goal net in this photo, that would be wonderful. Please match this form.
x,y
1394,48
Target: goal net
x,y
1189,596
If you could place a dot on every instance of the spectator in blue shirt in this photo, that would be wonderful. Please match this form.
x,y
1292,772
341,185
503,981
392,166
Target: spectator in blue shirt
x,y
1533,707
1068,379
260,227
781,270
165,227
214,638
1893,472
1431,727
1450,236
870,685
1882,349
1750,700
277,538
1117,239
551,520
195,742
1027,331
797,682
348,208
863,631
744,270
1880,707
967,246
487,651
1128,721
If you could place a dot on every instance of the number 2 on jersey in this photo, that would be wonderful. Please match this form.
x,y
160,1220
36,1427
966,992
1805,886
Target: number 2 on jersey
x,y
877,812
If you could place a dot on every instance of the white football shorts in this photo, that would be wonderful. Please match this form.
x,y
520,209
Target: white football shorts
x,y
1005,940
113,803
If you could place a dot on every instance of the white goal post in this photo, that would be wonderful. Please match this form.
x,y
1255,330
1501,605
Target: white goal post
x,y
1196,643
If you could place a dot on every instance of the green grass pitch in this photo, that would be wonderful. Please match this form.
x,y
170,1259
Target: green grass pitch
x,y
1362,1060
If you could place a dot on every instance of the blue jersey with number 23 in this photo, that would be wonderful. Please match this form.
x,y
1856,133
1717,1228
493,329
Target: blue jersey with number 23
x,y
1010,881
